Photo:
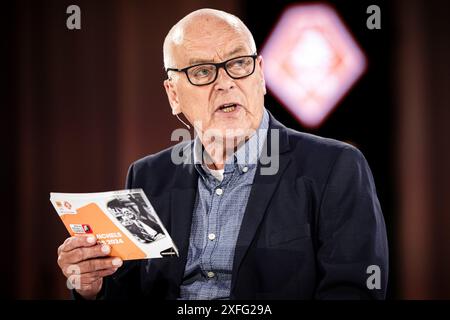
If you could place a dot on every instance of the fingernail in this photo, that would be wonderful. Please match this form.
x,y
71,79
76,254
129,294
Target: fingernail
x,y
91,239
117,262
105,249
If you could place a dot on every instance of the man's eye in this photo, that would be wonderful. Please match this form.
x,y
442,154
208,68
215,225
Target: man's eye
x,y
201,72
238,63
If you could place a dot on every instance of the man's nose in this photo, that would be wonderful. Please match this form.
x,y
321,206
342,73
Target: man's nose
x,y
223,81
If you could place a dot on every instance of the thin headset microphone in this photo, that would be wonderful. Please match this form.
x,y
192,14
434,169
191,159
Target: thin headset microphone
x,y
188,126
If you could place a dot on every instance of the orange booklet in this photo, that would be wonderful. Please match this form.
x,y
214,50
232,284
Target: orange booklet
x,y
123,219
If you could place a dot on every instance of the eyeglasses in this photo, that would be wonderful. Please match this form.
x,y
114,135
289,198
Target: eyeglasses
x,y
206,73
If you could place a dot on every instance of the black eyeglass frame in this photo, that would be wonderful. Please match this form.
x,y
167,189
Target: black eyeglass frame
x,y
217,66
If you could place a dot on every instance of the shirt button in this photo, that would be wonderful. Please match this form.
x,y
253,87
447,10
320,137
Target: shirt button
x,y
211,236
210,274
244,169
219,191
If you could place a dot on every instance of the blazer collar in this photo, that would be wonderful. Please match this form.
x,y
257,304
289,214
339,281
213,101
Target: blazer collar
x,y
264,186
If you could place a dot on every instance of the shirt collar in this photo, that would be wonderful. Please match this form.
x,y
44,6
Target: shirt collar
x,y
247,155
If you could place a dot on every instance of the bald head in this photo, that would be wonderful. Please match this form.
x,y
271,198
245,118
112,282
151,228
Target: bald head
x,y
203,23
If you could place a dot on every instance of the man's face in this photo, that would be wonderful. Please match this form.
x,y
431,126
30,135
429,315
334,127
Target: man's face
x,y
203,105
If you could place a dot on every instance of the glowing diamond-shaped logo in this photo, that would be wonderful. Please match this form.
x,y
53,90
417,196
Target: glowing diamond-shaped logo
x,y
311,61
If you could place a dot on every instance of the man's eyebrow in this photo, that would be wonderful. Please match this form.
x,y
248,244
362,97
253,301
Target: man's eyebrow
x,y
229,55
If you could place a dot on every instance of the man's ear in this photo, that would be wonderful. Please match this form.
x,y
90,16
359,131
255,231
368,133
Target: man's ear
x,y
263,81
172,96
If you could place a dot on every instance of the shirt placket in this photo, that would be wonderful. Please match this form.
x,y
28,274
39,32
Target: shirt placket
x,y
212,225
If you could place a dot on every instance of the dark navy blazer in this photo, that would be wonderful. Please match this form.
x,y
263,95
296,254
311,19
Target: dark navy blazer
x,y
311,231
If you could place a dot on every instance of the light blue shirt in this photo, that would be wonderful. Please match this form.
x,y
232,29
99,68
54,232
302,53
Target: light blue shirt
x,y
217,217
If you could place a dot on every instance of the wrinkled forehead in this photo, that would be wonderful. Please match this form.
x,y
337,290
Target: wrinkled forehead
x,y
211,42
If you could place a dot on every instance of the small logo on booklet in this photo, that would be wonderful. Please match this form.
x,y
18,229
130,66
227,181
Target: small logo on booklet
x,y
81,228
67,205
64,207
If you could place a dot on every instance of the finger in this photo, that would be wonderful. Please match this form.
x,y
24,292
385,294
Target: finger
x,y
99,264
79,241
60,249
85,253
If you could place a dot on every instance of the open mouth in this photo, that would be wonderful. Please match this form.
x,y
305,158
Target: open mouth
x,y
228,107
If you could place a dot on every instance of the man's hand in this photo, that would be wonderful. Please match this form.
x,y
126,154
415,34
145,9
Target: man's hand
x,y
82,257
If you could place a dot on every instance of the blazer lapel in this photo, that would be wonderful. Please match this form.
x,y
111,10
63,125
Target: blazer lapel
x,y
182,201
262,190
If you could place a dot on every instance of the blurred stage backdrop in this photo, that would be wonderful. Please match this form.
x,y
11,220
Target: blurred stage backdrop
x,y
81,105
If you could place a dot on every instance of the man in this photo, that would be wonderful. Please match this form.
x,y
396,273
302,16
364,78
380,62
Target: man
x,y
310,229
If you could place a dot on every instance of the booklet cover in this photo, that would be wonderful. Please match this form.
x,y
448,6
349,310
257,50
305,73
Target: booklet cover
x,y
124,219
